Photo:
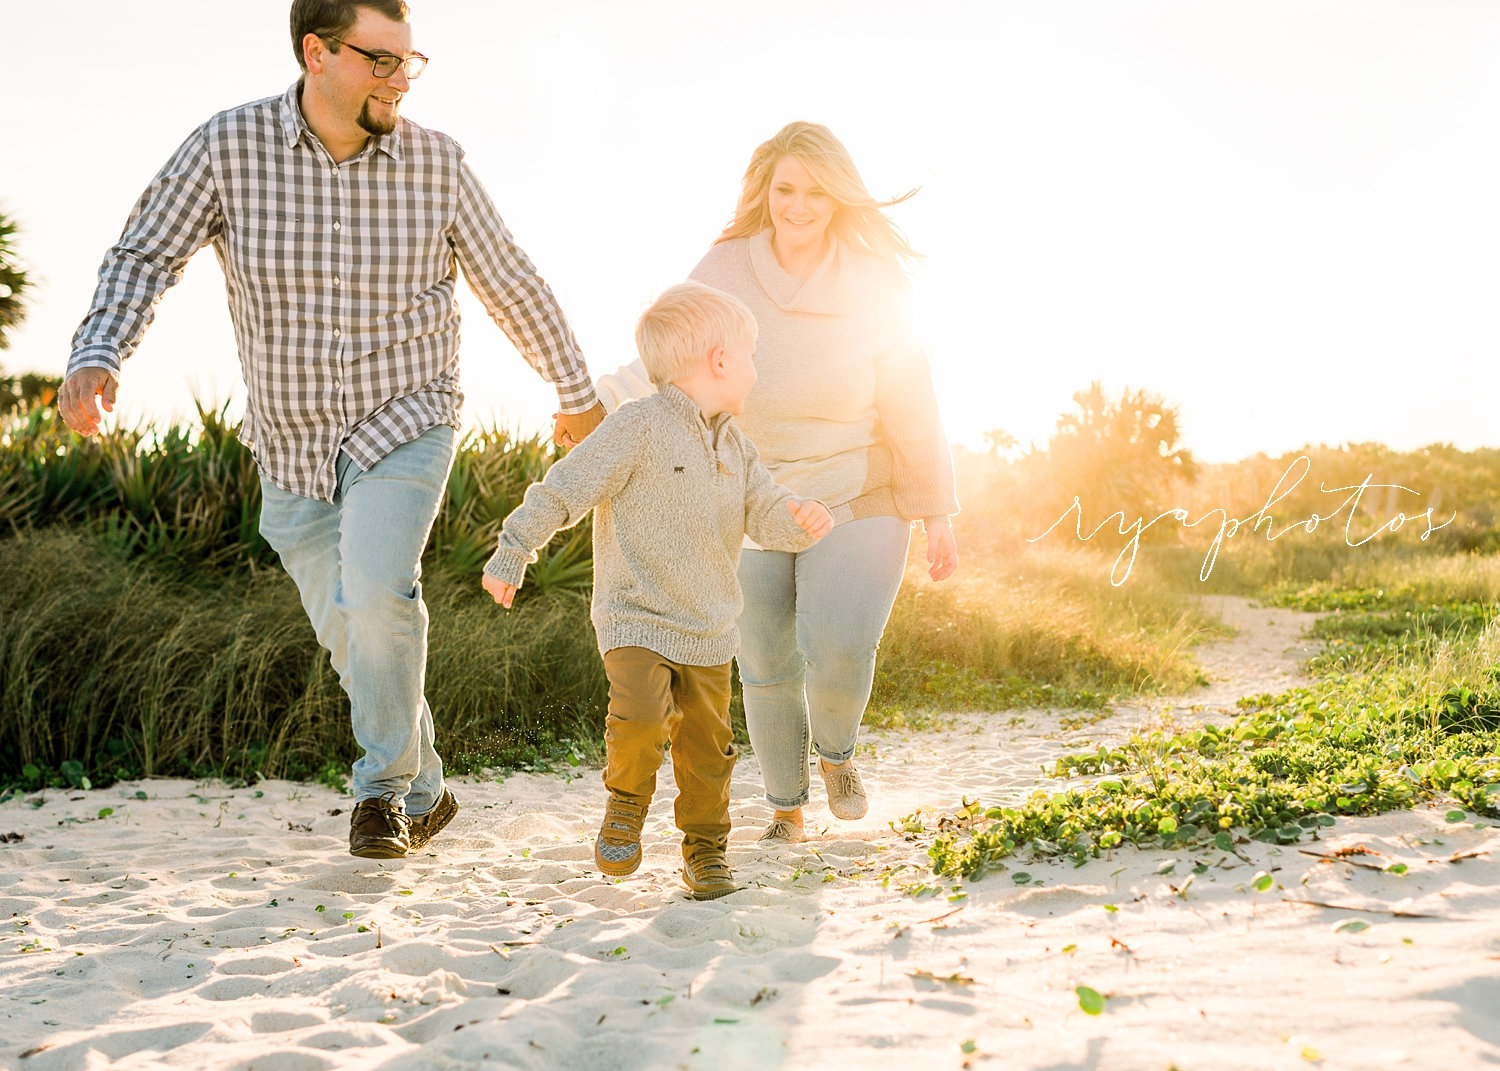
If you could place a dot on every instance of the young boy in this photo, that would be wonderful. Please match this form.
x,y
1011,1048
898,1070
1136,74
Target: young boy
x,y
676,487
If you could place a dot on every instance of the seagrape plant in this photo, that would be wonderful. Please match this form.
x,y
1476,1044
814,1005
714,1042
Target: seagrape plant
x,y
1407,708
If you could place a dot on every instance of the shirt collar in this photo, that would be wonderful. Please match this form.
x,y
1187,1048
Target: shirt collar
x,y
294,125
681,403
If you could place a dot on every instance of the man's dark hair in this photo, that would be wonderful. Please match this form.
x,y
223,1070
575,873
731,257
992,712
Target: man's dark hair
x,y
333,18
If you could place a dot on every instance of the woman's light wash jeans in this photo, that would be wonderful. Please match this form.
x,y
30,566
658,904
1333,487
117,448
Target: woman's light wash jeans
x,y
808,635
356,561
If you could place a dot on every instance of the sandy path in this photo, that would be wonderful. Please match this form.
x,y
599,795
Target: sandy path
x,y
203,927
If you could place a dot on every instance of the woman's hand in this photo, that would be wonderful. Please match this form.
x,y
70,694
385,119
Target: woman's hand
x,y
942,548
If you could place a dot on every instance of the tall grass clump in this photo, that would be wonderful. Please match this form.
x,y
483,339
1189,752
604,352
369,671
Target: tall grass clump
x,y
1034,626
146,628
124,667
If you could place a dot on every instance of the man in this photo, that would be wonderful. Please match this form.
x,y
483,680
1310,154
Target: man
x,y
340,227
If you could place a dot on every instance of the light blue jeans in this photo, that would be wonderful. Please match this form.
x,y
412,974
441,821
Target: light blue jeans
x,y
357,562
808,636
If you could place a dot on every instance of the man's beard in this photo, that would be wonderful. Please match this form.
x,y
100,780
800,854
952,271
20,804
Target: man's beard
x,y
370,125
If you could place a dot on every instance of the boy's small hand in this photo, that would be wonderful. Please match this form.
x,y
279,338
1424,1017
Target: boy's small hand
x,y
812,516
502,592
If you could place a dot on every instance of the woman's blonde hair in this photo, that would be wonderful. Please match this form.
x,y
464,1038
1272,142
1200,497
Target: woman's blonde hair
x,y
857,219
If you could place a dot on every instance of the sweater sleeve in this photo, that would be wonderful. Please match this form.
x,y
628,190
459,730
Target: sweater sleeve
x,y
768,520
593,472
922,480
627,383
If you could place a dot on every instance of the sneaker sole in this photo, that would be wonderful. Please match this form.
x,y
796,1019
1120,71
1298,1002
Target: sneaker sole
x,y
379,851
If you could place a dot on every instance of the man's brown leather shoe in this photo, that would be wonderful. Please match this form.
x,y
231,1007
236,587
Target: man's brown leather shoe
x,y
426,826
378,829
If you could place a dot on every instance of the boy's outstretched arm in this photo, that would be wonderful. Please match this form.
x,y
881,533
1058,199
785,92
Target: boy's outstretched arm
x,y
593,472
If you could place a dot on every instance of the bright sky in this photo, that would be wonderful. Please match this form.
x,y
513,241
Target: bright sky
x,y
1282,215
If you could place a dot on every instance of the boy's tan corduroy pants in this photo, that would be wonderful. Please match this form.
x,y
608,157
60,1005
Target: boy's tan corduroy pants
x,y
652,700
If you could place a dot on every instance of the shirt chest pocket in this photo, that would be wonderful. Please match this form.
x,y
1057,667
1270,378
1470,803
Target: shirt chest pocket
x,y
279,252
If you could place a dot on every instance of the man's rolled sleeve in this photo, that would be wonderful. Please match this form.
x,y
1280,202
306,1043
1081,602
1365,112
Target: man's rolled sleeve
x,y
516,297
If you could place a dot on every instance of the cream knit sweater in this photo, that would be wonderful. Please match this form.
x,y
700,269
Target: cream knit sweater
x,y
672,497
844,410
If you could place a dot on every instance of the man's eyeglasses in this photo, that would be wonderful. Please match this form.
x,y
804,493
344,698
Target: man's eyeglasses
x,y
384,64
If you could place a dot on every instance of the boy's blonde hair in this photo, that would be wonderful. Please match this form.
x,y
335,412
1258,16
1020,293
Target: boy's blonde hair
x,y
686,323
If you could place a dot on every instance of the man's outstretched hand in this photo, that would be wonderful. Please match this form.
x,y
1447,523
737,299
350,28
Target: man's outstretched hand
x,y
570,429
81,396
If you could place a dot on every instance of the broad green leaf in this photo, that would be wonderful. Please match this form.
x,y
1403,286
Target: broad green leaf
x,y
1090,1000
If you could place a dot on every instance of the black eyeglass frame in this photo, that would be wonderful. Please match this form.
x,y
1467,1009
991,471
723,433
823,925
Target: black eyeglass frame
x,y
395,61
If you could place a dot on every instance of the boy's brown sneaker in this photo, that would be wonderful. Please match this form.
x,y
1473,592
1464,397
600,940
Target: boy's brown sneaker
x,y
617,850
378,829
426,826
707,875
846,792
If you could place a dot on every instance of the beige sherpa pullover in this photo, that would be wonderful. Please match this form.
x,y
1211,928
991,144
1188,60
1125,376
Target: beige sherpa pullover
x,y
844,410
673,498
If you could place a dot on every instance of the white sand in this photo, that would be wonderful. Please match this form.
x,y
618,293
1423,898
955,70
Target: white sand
x,y
203,927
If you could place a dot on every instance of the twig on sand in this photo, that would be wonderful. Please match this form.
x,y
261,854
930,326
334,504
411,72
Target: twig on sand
x,y
1465,855
1368,910
1340,859
1343,857
939,918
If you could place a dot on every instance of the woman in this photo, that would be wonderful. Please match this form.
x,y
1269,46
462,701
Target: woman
x,y
843,412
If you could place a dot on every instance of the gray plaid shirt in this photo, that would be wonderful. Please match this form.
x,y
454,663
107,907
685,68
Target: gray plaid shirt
x,y
341,283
